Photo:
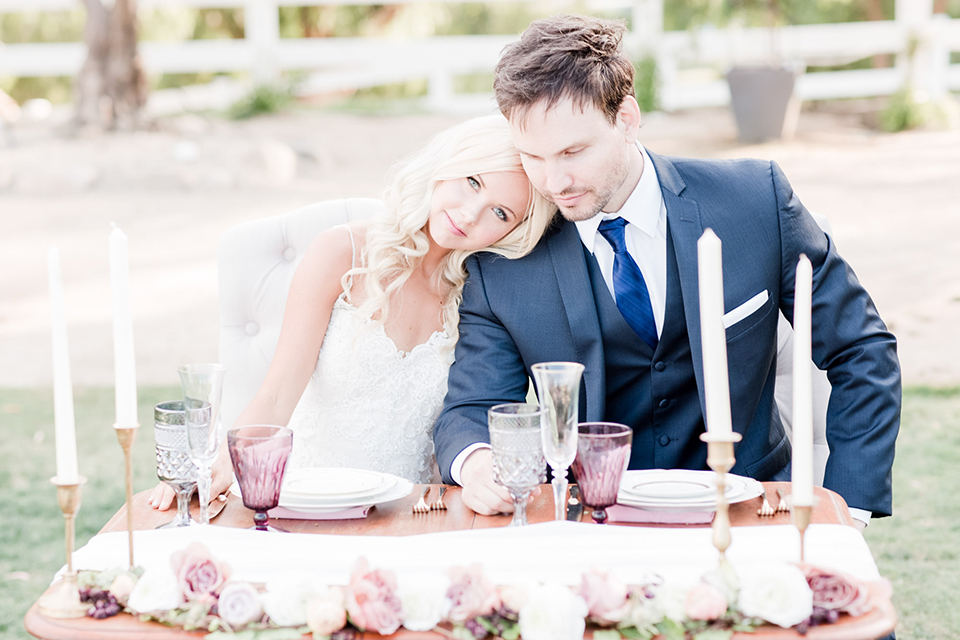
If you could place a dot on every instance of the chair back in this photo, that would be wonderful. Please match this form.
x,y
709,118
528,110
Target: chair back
x,y
256,261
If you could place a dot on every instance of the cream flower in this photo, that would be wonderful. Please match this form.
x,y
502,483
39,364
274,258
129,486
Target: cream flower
x,y
424,600
287,595
326,613
156,590
553,612
779,594
239,604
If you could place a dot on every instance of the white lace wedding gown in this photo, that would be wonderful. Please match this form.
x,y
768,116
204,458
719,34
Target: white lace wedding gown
x,y
369,405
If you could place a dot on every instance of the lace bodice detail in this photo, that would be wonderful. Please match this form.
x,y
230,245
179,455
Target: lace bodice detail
x,y
369,405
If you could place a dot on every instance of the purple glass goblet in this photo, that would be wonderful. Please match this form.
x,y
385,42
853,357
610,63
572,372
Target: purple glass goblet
x,y
259,456
603,452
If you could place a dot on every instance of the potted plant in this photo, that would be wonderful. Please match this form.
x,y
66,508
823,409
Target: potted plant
x,y
761,93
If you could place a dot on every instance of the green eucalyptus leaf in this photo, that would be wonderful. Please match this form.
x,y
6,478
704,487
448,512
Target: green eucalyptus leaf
x,y
606,634
714,634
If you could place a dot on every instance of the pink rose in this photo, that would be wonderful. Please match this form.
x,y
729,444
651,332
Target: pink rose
x,y
704,602
239,604
836,591
199,575
606,597
372,600
471,594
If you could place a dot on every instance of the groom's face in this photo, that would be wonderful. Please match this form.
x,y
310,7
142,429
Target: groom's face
x,y
575,157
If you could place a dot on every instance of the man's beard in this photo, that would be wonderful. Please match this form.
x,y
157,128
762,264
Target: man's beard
x,y
593,201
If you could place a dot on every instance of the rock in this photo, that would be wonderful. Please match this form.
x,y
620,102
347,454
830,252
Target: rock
x,y
274,162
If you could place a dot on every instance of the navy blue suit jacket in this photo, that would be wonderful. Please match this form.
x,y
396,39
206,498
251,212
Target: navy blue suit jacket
x,y
540,308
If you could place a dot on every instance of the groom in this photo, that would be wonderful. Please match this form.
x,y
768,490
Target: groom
x,y
613,285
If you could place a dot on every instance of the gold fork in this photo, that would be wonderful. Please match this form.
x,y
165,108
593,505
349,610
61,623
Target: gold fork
x,y
422,506
783,501
438,505
765,509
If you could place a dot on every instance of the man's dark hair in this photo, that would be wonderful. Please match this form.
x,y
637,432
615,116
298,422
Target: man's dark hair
x,y
561,57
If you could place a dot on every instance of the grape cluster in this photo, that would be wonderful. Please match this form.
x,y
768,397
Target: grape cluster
x,y
104,604
819,616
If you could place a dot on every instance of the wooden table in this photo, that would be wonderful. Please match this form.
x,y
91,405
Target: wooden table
x,y
397,519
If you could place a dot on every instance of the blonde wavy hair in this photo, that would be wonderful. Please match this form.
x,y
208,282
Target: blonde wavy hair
x,y
397,241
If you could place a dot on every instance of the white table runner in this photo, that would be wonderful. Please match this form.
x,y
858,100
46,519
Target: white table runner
x,y
548,552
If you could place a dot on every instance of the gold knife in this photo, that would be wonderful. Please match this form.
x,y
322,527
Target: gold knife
x,y
574,506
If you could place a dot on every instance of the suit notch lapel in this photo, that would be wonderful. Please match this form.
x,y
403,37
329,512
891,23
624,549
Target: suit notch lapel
x,y
576,293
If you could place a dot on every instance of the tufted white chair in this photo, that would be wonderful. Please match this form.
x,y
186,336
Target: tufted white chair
x,y
255,263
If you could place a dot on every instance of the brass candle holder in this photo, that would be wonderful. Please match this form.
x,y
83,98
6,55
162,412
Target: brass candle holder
x,y
63,599
801,515
126,436
720,458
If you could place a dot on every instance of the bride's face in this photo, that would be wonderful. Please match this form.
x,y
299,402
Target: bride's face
x,y
474,212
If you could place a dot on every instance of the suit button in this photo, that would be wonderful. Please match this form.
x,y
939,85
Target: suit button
x,y
660,366
664,403
664,441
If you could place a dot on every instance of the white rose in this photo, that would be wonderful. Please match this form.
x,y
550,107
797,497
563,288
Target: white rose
x,y
326,615
553,612
156,590
287,596
671,599
424,600
779,594
514,596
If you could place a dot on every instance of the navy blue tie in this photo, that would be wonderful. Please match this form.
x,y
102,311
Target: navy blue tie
x,y
630,290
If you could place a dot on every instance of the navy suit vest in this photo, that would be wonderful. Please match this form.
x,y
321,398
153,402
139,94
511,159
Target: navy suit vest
x,y
654,392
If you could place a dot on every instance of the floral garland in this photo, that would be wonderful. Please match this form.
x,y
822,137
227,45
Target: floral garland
x,y
196,592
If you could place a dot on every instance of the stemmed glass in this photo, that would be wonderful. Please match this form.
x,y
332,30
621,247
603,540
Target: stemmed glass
x,y
259,456
558,385
603,453
518,462
174,465
202,391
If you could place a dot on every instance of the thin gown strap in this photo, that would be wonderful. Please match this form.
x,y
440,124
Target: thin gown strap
x,y
353,256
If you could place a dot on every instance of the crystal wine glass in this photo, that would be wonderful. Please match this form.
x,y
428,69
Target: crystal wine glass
x,y
558,386
259,455
603,453
174,465
518,462
202,391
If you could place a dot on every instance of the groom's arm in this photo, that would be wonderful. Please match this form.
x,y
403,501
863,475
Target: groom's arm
x,y
488,370
852,344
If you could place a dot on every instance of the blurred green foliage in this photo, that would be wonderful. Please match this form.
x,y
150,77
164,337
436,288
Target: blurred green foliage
x,y
262,99
646,84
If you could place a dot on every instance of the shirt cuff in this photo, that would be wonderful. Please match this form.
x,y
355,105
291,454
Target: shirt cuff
x,y
457,465
860,514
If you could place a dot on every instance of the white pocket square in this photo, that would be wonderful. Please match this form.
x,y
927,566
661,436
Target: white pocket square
x,y
736,315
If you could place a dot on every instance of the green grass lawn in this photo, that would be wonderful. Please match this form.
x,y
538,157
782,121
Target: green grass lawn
x,y
917,549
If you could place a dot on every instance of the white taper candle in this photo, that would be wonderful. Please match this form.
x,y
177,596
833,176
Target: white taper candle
x,y
125,381
713,335
802,474
64,427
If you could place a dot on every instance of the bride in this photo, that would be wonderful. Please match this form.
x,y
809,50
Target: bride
x,y
360,369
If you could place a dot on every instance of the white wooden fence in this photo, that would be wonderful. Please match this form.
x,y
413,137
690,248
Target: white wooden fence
x,y
690,63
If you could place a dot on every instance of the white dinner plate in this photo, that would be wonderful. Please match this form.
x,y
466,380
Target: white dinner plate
x,y
739,488
331,483
399,488
675,485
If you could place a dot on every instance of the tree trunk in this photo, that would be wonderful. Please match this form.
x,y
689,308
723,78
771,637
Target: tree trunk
x,y
111,88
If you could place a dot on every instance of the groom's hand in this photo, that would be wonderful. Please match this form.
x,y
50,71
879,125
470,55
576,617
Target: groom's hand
x,y
480,492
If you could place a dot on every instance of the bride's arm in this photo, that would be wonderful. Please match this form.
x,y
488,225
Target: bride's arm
x,y
313,292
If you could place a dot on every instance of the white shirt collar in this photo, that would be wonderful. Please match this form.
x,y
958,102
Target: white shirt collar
x,y
642,208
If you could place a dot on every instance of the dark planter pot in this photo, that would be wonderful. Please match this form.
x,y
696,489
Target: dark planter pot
x,y
763,103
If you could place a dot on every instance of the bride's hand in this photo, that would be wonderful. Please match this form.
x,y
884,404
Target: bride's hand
x,y
163,495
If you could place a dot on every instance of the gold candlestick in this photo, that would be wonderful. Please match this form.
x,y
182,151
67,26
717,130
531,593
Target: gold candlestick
x,y
801,518
720,458
63,599
126,436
